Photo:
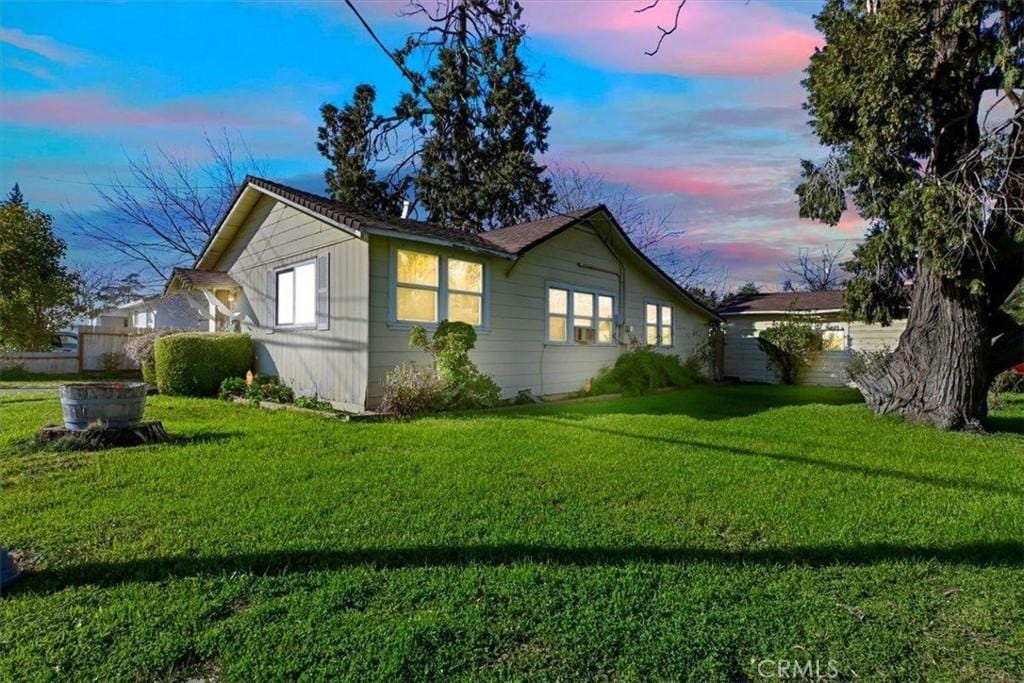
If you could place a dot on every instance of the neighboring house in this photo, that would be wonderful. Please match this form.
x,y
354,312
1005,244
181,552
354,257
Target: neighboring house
x,y
173,312
329,294
747,316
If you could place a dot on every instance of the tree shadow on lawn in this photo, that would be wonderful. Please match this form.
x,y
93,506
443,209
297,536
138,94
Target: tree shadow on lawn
x,y
848,468
285,562
723,402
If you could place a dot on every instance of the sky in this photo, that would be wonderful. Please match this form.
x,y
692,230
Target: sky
x,y
710,129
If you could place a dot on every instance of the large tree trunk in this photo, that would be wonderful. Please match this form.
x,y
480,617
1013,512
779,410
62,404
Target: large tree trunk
x,y
938,373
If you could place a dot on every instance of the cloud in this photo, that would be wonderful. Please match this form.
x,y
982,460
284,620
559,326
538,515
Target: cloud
x,y
43,46
723,39
42,73
90,110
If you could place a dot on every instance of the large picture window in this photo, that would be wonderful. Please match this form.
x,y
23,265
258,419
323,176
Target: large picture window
x,y
658,324
296,295
592,315
431,287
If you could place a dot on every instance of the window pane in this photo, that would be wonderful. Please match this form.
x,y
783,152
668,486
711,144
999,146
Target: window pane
x,y
465,276
417,305
415,268
832,340
556,328
286,297
605,307
467,308
652,314
558,301
652,335
666,335
604,331
666,315
583,305
305,294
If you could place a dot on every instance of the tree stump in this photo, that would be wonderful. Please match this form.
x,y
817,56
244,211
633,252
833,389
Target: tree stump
x,y
97,438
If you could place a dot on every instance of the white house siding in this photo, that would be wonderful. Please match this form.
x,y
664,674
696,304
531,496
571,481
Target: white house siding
x,y
513,350
331,363
745,360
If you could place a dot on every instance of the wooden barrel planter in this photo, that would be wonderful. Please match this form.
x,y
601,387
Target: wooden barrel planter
x,y
115,405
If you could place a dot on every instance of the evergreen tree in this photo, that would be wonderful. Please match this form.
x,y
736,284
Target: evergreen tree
x,y
897,94
37,293
467,135
15,197
344,139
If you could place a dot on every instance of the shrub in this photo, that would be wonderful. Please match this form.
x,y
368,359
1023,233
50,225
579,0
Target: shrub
x,y
232,387
465,387
410,389
643,370
790,346
139,348
195,363
111,361
1007,382
312,403
263,388
268,388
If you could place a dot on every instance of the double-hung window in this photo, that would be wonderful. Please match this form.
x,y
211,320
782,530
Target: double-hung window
x,y
296,294
592,316
431,287
658,324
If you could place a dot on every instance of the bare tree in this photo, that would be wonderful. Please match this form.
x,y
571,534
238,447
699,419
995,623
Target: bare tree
x,y
163,211
819,272
654,233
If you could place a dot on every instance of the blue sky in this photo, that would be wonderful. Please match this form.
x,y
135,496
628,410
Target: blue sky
x,y
711,128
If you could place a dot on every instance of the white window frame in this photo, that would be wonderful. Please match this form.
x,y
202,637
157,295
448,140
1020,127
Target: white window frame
x,y
441,289
277,299
570,316
659,303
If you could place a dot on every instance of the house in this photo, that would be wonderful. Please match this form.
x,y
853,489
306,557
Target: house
x,y
747,316
330,294
174,312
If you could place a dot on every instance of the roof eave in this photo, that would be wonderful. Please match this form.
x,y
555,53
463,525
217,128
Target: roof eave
x,y
810,311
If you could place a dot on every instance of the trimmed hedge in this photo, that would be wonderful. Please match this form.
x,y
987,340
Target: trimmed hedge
x,y
195,363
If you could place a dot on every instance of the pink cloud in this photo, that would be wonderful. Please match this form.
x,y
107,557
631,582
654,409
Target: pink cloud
x,y
713,39
79,110
44,46
670,180
39,72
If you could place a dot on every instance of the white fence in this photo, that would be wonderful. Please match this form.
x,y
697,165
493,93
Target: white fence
x,y
93,342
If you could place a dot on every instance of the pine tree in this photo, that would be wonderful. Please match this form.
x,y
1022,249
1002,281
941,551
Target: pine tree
x,y
15,198
467,135
344,139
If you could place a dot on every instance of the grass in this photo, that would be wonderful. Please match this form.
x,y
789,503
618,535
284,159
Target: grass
x,y
21,379
687,535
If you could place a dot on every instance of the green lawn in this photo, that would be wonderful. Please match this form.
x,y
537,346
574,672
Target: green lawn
x,y
688,535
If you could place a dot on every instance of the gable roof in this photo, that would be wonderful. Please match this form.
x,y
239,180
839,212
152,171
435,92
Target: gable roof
x,y
510,242
785,302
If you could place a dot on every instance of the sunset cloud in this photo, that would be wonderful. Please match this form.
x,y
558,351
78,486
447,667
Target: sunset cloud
x,y
88,110
718,39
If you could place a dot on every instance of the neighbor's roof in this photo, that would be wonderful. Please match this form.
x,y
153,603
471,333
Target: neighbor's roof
x,y
203,279
785,302
509,242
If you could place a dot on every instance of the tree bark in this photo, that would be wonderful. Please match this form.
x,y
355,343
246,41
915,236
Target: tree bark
x,y
938,373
